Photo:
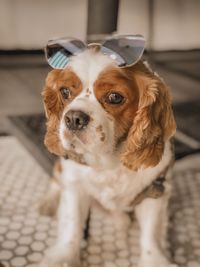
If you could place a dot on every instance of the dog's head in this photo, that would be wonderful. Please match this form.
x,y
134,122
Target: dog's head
x,y
96,107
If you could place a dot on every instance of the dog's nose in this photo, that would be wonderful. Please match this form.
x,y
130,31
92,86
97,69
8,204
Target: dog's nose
x,y
76,120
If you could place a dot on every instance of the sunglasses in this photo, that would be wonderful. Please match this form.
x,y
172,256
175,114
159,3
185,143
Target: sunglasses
x,y
125,50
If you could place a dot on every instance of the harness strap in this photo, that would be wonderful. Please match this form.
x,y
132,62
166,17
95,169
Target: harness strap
x,y
155,190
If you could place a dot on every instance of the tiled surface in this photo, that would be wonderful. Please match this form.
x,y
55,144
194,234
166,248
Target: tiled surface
x,y
24,235
184,231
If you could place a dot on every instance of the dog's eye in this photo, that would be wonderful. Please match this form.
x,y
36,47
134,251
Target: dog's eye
x,y
65,92
114,98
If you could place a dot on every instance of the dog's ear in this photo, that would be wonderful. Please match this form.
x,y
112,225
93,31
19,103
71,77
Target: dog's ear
x,y
154,122
50,97
53,108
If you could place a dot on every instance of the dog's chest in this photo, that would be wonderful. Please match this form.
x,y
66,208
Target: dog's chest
x,y
114,189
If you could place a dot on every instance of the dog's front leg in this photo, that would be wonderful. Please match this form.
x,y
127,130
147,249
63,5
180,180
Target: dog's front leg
x,y
73,212
151,215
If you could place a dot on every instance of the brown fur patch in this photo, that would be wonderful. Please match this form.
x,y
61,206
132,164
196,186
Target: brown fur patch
x,y
145,116
88,92
153,123
99,129
103,137
76,156
54,104
57,170
116,80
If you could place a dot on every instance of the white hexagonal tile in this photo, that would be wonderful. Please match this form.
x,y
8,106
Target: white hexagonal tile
x,y
3,229
15,225
4,221
35,257
25,240
38,246
122,262
18,262
42,227
21,250
108,256
13,235
40,236
5,255
50,241
193,264
94,259
9,244
18,218
30,222
27,230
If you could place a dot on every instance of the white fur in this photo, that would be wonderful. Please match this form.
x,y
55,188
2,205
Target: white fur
x,y
104,179
151,215
114,188
88,141
87,67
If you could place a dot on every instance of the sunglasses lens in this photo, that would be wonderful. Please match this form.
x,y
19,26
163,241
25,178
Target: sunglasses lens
x,y
58,52
125,50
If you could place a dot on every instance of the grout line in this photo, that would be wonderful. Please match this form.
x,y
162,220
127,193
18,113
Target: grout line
x,y
191,142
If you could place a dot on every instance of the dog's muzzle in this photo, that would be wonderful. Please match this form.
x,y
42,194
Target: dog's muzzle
x,y
76,120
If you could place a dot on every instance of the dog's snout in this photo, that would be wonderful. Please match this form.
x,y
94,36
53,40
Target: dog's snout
x,y
76,120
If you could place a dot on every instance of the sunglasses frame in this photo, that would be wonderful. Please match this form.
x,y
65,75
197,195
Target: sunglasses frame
x,y
101,45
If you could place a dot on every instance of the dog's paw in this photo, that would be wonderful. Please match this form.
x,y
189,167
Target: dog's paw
x,y
62,262
152,260
58,263
156,264
60,257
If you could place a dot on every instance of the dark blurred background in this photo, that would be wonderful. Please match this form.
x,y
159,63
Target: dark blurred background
x,y
170,27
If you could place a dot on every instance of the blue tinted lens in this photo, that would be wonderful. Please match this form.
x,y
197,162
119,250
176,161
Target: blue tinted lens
x,y
58,52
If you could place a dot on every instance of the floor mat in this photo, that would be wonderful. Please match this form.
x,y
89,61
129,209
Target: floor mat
x,y
34,127
185,68
188,118
25,236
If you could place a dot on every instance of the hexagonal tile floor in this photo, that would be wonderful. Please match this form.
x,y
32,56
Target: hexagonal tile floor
x,y
25,235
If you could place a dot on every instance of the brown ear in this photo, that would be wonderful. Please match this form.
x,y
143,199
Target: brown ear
x,y
153,124
53,109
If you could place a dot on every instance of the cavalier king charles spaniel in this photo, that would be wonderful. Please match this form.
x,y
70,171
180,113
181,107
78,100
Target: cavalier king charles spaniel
x,y
111,128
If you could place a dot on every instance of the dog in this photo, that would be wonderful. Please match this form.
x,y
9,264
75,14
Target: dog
x,y
112,129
